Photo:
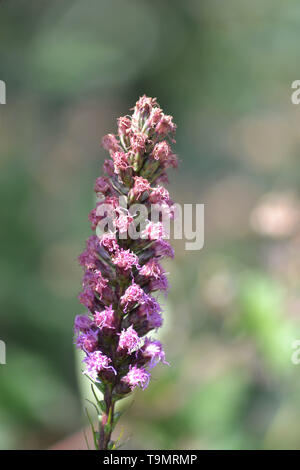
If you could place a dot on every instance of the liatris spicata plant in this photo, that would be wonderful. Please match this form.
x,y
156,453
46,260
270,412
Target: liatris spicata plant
x,y
122,273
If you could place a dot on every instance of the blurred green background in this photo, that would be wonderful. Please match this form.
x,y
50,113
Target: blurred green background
x,y
224,70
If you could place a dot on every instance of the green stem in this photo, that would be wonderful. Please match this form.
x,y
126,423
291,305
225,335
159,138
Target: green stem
x,y
106,425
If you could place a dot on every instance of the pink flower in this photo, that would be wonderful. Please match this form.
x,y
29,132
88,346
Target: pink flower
x,y
155,116
112,201
94,219
110,143
153,351
95,363
129,340
154,231
140,186
124,126
103,208
165,125
88,259
152,269
92,243
125,259
121,274
109,242
159,195
138,142
88,341
105,318
95,280
121,162
163,153
133,294
149,306
137,377
123,220
144,105
102,185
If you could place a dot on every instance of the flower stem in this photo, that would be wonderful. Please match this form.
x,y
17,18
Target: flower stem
x,y
106,425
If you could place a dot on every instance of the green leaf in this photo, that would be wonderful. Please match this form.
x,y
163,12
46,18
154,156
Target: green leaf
x,y
95,434
100,403
93,404
100,386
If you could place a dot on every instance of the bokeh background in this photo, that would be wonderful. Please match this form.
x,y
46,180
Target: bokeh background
x,y
224,70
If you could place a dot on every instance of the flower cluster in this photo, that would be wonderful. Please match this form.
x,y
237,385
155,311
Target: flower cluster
x,y
121,274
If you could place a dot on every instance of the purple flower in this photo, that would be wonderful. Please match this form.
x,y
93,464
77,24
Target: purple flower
x,y
155,321
159,284
101,185
86,298
144,321
82,323
149,306
88,341
137,377
120,273
88,259
152,351
93,280
163,248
